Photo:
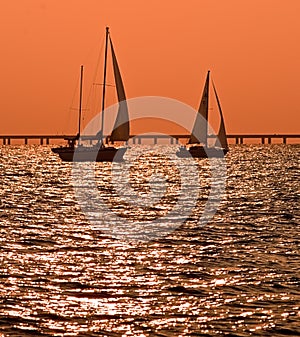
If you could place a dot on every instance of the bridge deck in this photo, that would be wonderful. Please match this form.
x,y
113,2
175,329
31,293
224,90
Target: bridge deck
x,y
239,138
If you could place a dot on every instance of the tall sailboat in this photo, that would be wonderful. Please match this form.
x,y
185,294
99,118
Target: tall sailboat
x,y
99,152
197,146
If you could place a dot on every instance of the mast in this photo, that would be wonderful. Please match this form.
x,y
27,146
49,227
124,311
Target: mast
x,y
104,83
80,103
207,105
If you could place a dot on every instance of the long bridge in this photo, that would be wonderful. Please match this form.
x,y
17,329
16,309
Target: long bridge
x,y
238,138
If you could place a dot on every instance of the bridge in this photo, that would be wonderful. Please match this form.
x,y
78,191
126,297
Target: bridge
x,y
238,138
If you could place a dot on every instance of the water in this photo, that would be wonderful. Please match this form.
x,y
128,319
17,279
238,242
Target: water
x,y
238,275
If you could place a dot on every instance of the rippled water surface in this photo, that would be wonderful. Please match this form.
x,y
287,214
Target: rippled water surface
x,y
61,274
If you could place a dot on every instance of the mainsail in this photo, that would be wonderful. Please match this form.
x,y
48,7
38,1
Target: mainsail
x,y
222,138
199,133
121,127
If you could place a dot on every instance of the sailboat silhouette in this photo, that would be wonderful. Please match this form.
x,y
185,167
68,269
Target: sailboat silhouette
x,y
101,151
197,146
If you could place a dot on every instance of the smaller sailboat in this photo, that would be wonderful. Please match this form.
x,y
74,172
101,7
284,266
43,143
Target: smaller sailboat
x,y
197,146
101,152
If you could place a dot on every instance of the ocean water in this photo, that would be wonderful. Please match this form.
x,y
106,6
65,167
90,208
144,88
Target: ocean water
x,y
64,274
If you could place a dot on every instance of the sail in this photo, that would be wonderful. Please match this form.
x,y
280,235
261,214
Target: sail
x,y
199,133
121,128
222,138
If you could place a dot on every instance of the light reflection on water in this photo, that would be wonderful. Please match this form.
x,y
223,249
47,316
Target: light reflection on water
x,y
239,274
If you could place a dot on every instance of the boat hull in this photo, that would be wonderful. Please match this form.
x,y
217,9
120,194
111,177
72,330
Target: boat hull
x,y
92,154
201,152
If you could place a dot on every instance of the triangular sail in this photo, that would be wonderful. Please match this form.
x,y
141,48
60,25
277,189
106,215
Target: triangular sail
x,y
199,133
222,138
121,128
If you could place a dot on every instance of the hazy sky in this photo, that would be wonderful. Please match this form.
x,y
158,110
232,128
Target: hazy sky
x,y
164,48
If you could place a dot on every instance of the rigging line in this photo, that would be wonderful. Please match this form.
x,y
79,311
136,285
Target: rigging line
x,y
71,107
74,93
96,71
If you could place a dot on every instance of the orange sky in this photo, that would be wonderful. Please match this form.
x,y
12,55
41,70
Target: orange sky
x,y
163,47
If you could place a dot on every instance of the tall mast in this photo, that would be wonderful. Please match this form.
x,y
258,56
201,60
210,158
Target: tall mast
x,y
104,81
80,102
207,107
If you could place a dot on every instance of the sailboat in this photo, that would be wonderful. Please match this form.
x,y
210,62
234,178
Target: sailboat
x,y
197,146
101,152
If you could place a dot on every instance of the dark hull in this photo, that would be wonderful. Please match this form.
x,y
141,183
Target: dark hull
x,y
201,152
96,154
